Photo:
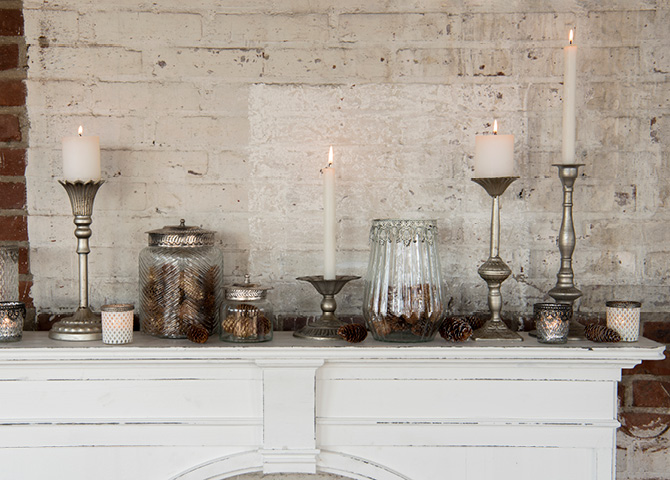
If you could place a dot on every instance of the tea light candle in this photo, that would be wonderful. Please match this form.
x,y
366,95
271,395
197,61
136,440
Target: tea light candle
x,y
117,323
552,322
81,158
494,154
624,318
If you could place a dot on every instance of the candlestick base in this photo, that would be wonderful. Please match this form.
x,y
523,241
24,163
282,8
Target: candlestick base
x,y
83,326
326,327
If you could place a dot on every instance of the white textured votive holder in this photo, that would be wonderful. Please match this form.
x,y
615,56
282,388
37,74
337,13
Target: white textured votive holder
x,y
624,318
117,323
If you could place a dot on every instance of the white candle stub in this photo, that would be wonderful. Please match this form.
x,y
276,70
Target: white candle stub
x,y
329,230
494,155
81,158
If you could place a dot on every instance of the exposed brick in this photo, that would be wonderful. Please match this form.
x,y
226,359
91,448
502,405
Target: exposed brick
x,y
12,195
11,23
644,425
9,56
657,331
10,130
12,161
24,261
24,293
12,93
651,393
13,228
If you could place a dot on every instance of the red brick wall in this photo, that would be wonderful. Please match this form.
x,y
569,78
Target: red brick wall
x,y
13,141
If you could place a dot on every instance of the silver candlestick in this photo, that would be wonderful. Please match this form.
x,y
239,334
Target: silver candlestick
x,y
565,290
84,325
494,271
325,328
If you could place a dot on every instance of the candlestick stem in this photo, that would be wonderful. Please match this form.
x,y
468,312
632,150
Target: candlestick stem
x,y
494,271
565,290
84,325
326,327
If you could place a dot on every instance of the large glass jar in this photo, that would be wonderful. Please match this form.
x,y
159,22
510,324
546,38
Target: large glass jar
x,y
404,296
246,315
180,283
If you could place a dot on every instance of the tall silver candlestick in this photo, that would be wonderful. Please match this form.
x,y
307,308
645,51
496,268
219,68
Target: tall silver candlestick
x,y
494,271
565,290
84,325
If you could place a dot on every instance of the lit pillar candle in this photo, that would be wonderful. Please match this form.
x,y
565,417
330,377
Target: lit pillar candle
x,y
569,98
81,158
329,218
494,154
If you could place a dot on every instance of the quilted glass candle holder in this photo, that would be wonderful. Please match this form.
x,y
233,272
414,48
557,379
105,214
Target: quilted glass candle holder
x,y
12,316
117,323
552,322
624,318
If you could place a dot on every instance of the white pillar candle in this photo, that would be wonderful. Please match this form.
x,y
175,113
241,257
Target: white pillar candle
x,y
494,154
81,158
329,230
569,99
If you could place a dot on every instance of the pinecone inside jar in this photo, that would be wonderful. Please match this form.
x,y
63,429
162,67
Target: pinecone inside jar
x,y
408,311
246,321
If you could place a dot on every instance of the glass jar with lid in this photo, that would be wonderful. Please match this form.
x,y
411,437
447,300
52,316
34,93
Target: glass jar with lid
x,y
180,283
246,315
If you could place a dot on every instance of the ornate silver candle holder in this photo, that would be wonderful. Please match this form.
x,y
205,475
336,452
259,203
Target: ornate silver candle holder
x,y
565,290
325,328
494,271
84,325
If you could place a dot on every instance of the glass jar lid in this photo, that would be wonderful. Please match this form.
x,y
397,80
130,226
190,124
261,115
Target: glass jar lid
x,y
181,235
246,291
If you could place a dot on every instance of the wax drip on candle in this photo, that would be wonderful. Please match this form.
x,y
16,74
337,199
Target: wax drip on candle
x,y
81,130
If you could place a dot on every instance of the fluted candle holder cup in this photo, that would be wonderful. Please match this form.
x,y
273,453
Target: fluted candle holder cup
x,y
565,290
494,271
84,325
325,328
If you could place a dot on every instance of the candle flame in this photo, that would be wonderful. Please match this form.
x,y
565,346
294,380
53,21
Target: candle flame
x,y
330,156
571,36
495,127
81,130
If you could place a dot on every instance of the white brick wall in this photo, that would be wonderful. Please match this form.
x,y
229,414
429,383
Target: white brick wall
x,y
221,112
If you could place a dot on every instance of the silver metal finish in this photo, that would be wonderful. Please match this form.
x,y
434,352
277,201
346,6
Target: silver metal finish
x,y
565,290
84,325
494,271
246,291
325,328
181,235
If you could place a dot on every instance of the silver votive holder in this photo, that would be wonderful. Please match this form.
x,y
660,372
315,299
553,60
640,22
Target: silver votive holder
x,y
552,322
12,316
624,318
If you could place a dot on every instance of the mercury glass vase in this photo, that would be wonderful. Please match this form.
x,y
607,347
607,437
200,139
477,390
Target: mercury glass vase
x,y
9,274
404,294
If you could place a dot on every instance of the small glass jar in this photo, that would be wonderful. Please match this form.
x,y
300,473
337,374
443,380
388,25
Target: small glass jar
x,y
12,317
180,282
246,315
623,316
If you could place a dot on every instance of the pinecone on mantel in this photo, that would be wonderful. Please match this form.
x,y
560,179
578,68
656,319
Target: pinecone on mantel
x,y
456,329
601,334
353,333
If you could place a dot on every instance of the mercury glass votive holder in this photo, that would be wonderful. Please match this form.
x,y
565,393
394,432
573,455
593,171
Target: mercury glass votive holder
x,y
12,316
624,318
552,322
117,323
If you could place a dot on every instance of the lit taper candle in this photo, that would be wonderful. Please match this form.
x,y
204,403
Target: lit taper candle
x,y
569,99
329,230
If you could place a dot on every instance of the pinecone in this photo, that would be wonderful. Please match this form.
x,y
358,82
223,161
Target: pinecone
x,y
381,327
475,321
352,333
455,329
197,333
600,333
422,328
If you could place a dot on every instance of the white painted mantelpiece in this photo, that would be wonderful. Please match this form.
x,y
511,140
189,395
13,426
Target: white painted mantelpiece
x,y
163,409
